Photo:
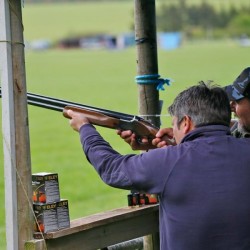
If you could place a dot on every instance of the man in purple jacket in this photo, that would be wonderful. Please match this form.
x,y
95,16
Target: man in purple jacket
x,y
239,95
202,182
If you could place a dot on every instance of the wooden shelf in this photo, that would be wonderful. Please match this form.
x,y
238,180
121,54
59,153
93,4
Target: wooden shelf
x,y
101,230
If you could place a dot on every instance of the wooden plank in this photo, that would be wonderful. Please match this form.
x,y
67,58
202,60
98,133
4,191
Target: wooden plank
x,y
22,151
8,128
152,241
147,64
35,245
19,218
105,229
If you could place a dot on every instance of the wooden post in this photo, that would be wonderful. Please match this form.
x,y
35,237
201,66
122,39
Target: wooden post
x,y
36,245
147,64
147,61
17,164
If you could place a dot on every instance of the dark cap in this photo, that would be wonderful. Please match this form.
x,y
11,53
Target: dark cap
x,y
240,87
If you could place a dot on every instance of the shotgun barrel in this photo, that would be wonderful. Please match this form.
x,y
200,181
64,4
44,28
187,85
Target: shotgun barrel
x,y
59,105
97,116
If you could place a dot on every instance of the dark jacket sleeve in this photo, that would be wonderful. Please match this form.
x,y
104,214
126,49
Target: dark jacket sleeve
x,y
143,172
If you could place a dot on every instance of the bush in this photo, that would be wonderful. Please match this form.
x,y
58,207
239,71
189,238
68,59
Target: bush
x,y
239,25
203,20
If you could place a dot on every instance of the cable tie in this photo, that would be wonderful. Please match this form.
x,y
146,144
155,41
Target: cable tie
x,y
144,40
12,42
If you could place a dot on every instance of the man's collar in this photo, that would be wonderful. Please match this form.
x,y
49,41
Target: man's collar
x,y
208,130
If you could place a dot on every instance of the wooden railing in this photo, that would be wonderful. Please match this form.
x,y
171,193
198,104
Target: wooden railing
x,y
102,230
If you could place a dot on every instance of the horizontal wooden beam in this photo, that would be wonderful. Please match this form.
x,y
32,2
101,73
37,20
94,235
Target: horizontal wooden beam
x,y
103,229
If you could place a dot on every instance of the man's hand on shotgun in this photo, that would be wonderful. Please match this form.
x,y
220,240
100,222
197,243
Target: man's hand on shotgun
x,y
77,119
163,138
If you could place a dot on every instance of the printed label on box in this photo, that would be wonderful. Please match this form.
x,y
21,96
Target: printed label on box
x,y
45,188
46,217
63,214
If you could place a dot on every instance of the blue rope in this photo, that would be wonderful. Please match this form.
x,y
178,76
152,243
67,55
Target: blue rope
x,y
153,79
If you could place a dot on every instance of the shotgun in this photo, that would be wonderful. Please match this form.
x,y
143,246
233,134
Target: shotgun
x,y
97,116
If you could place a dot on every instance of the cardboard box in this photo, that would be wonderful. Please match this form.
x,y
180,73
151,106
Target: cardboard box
x,y
63,214
45,187
46,217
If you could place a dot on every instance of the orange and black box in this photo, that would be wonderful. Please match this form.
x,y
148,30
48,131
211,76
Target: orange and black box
x,y
62,207
45,187
139,199
46,217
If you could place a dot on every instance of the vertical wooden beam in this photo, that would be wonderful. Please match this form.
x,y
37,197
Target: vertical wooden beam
x,y
147,64
147,61
17,163
151,242
8,128
36,245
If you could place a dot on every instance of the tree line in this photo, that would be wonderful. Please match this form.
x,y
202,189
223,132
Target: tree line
x,y
204,20
195,20
69,1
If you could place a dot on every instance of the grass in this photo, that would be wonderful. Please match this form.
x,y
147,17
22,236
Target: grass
x,y
57,20
103,79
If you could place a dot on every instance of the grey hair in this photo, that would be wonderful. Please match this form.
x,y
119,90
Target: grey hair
x,y
204,103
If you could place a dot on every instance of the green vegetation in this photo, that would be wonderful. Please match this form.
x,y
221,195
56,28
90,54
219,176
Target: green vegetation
x,y
204,19
103,79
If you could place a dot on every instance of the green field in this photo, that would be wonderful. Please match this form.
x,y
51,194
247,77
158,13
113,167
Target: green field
x,y
103,79
56,21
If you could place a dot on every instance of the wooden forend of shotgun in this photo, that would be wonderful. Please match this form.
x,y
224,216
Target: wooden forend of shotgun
x,y
141,127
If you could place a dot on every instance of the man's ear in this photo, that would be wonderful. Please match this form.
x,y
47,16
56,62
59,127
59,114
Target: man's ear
x,y
232,106
187,124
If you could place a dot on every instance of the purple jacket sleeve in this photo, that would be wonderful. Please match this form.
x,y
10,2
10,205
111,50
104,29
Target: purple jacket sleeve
x,y
142,172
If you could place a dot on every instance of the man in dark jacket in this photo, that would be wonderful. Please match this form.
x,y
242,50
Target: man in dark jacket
x,y
239,95
202,182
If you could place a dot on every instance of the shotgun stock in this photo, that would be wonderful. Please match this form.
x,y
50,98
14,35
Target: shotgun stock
x,y
139,126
